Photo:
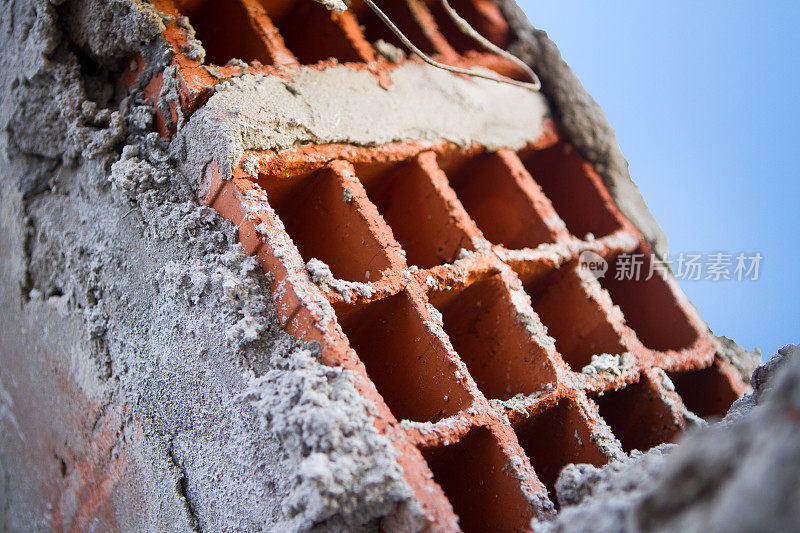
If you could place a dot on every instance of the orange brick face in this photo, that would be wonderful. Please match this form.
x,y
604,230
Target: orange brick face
x,y
470,329
455,296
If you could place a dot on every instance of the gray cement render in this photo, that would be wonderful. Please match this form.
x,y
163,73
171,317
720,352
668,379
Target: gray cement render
x,y
145,383
342,105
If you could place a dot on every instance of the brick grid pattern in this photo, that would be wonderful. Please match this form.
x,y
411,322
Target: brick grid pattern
x,y
476,322
455,295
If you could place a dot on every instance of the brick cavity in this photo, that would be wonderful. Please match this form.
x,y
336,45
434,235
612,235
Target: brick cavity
x,y
638,416
501,198
326,223
575,190
475,476
228,30
416,202
402,16
485,330
573,318
708,393
409,365
557,437
313,33
483,15
650,307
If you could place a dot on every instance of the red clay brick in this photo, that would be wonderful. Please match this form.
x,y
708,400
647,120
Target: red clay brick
x,y
638,415
503,358
421,368
556,437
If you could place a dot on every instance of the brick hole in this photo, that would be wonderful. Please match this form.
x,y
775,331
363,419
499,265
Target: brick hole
x,y
637,416
574,190
187,5
324,226
278,9
310,31
555,438
474,475
707,393
397,10
482,15
499,202
421,221
227,32
576,322
485,331
650,307
407,364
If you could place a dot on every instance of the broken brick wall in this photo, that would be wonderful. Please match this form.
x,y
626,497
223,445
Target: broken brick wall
x,y
224,390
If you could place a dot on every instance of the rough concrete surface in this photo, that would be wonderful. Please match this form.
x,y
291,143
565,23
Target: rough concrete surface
x,y
145,383
424,104
744,361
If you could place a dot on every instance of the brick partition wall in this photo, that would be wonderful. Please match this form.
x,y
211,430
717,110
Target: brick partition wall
x,y
465,315
454,291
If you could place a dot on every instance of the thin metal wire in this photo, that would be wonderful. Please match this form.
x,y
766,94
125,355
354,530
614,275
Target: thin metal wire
x,y
457,70
467,29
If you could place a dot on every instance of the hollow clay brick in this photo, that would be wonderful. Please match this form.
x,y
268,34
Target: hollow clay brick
x,y
457,299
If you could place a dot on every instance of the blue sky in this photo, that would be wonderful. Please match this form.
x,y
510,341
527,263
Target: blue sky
x,y
704,100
